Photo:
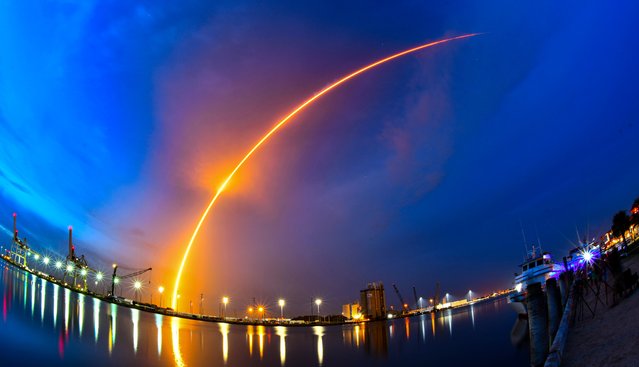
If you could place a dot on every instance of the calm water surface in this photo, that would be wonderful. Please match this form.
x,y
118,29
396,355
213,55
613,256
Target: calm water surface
x,y
44,324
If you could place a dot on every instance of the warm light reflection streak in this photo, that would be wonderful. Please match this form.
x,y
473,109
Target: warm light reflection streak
x,y
277,127
224,329
135,319
158,324
319,331
175,333
281,332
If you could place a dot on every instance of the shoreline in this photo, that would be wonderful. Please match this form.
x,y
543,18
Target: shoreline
x,y
609,337
154,309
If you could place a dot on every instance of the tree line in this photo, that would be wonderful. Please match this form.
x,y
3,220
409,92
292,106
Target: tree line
x,y
621,221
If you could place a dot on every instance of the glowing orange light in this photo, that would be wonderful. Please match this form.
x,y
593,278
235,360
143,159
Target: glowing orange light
x,y
277,127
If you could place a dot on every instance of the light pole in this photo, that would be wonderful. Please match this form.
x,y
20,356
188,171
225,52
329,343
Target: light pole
x,y
161,290
225,301
318,302
260,310
281,302
137,285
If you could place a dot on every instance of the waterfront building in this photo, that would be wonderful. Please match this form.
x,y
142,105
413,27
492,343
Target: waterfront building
x,y
351,311
373,301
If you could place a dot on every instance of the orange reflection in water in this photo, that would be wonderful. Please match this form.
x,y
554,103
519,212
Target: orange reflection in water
x,y
261,331
281,332
249,333
224,329
407,326
319,332
175,335
158,325
432,322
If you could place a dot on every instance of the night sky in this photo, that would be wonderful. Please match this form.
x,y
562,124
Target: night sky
x,y
122,120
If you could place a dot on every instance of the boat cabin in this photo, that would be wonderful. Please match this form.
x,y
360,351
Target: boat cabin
x,y
539,261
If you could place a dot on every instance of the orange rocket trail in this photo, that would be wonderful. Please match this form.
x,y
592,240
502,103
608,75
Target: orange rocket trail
x,y
278,126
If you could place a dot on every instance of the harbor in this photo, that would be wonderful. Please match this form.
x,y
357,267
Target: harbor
x,y
80,276
62,325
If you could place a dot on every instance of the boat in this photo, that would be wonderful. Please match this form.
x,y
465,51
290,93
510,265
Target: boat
x,y
537,268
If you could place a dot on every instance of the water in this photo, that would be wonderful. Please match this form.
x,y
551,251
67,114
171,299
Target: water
x,y
43,323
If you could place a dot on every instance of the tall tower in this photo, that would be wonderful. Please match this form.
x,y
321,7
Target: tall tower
x,y
71,247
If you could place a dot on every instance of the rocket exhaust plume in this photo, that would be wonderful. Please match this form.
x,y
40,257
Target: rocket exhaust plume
x,y
277,126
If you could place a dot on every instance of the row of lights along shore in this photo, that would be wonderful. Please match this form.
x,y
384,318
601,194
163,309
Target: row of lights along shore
x,y
137,286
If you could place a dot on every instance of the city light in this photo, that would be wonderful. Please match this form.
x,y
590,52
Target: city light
x,y
225,301
116,280
69,268
37,257
58,264
281,302
277,126
137,285
587,256
161,290
83,272
46,260
99,276
318,302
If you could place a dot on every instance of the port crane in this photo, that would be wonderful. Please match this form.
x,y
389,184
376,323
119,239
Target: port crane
x,y
115,279
401,299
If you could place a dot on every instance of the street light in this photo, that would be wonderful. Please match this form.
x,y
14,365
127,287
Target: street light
x,y
225,301
69,268
99,276
161,290
58,264
137,285
260,310
318,302
83,272
281,302
46,260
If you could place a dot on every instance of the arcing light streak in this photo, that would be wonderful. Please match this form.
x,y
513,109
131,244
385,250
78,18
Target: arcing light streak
x,y
276,127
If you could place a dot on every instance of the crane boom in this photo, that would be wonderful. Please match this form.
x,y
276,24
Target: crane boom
x,y
401,299
115,278
136,273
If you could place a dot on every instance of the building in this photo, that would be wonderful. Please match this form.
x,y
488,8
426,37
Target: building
x,y
373,301
351,311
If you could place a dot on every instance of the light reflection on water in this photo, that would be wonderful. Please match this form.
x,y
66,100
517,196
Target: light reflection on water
x,y
281,332
481,330
96,318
